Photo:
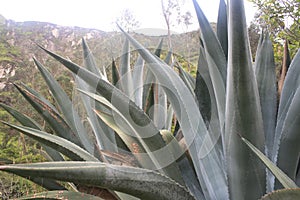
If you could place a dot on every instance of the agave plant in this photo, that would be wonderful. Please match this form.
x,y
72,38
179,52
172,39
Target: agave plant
x,y
232,139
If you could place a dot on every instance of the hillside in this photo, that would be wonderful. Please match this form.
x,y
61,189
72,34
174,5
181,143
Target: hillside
x,y
17,47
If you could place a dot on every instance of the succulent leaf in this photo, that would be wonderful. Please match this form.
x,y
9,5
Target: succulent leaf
x,y
286,181
142,183
222,27
139,145
70,114
29,122
286,194
200,144
50,114
246,173
60,144
288,154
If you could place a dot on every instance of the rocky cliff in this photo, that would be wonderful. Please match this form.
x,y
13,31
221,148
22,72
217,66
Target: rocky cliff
x,y
18,45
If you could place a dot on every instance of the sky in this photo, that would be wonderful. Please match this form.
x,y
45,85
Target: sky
x,y
101,14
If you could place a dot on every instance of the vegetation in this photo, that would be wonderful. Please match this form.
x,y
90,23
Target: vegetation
x,y
174,15
159,133
281,18
15,38
128,21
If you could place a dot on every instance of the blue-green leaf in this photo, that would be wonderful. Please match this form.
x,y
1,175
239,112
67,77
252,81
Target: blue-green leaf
x,y
134,140
205,159
138,80
266,82
286,181
207,103
115,75
66,107
50,114
211,43
292,82
222,27
104,136
60,144
89,60
246,173
204,89
159,110
216,62
125,71
159,48
267,88
142,183
148,91
188,173
20,117
29,122
288,154
286,194
186,77
131,112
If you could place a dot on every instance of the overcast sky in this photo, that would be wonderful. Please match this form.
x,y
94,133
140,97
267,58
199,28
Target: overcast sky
x,y
101,14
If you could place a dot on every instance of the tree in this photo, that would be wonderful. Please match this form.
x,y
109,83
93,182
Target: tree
x,y
282,19
174,15
254,33
128,21
168,9
185,19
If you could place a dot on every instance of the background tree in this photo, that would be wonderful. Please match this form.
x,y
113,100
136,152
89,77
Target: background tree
x,y
254,34
174,15
169,8
282,19
128,21
185,19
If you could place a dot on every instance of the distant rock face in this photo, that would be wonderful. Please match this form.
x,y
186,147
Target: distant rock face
x,y
6,72
18,45
55,33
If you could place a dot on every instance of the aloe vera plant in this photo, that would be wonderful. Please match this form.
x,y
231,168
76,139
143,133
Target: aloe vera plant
x,y
234,144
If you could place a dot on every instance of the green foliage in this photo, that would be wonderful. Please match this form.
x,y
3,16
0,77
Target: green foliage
x,y
18,149
225,120
281,18
7,53
13,187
